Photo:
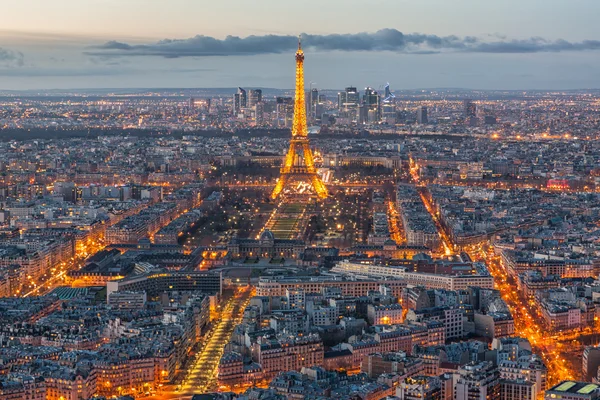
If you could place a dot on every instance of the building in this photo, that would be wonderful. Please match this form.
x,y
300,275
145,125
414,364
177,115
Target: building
x,y
480,277
348,99
284,108
422,116
420,388
469,108
154,283
254,97
288,353
265,246
390,314
277,286
127,300
494,324
372,103
591,362
573,390
477,381
240,101
517,390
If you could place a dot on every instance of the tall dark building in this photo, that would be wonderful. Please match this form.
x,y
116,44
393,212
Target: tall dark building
x,y
372,101
470,108
348,99
240,100
285,111
254,96
422,116
312,104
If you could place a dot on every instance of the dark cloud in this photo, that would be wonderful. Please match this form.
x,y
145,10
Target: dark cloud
x,y
11,58
382,40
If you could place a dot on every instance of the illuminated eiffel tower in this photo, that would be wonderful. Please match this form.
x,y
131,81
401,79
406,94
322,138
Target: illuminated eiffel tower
x,y
299,163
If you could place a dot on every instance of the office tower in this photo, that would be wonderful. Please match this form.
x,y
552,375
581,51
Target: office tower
x,y
362,115
352,96
348,99
311,105
470,108
389,113
299,164
341,100
191,103
254,97
388,96
284,110
239,101
259,110
372,101
422,116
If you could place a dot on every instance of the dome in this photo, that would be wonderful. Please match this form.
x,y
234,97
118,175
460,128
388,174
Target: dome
x,y
267,236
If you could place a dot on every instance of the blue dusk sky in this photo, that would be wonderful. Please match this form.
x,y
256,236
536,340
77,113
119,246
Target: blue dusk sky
x,y
476,44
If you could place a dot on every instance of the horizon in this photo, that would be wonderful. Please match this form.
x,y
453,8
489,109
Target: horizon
x,y
509,45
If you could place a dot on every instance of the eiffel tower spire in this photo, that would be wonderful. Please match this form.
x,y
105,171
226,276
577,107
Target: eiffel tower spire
x,y
299,162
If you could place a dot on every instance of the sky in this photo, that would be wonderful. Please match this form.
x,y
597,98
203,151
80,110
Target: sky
x,y
473,44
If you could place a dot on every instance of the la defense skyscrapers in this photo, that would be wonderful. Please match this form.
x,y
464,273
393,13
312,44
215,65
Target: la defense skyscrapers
x,y
299,165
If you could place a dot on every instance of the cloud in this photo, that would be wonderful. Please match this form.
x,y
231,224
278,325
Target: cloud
x,y
382,40
11,58
94,71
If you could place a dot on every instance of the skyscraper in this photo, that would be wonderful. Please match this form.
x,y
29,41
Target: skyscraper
x,y
285,111
254,97
352,97
239,100
422,115
348,99
259,111
470,108
313,101
388,97
372,101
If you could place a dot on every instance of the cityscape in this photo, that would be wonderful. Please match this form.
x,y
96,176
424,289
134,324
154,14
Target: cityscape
x,y
262,243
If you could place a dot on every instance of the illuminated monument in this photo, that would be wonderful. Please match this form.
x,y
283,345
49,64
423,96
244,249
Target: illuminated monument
x,y
299,167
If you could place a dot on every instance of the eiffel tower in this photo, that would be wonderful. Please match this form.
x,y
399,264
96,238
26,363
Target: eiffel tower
x,y
299,163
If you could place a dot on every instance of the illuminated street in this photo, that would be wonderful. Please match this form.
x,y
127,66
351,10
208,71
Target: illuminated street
x,y
201,376
527,324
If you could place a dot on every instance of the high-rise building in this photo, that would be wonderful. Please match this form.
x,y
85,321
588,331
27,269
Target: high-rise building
x,y
372,101
388,96
254,97
470,108
312,104
259,111
284,111
239,101
422,115
348,99
362,115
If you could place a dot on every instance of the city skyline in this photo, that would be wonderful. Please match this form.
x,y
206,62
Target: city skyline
x,y
247,243
426,45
